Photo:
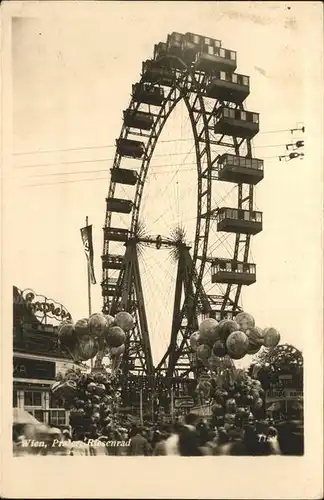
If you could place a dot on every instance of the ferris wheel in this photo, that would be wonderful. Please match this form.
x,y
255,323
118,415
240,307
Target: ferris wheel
x,y
215,264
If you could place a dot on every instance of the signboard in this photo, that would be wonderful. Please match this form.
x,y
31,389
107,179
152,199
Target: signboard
x,y
33,368
184,402
42,307
284,394
202,411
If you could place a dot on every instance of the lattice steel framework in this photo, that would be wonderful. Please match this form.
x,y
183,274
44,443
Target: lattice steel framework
x,y
179,71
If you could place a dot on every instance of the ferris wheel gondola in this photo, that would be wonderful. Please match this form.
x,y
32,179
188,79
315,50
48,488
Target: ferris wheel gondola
x,y
201,73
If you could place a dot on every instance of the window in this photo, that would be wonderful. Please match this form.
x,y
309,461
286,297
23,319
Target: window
x,y
232,113
233,55
226,112
33,398
245,80
258,216
228,267
57,417
239,268
232,214
217,43
255,118
222,52
14,399
210,50
234,78
55,402
223,75
196,39
260,164
243,115
236,160
255,164
40,415
207,41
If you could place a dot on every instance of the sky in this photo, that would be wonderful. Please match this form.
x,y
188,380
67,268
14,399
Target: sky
x,y
71,79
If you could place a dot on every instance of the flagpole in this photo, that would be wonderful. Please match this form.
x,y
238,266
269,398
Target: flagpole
x,y
89,291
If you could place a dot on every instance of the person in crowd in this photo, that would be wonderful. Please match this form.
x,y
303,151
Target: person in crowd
x,y
222,441
122,449
78,446
254,442
172,440
291,438
55,442
189,444
139,445
159,443
208,443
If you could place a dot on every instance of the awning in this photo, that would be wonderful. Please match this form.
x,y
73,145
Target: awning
x,y
21,416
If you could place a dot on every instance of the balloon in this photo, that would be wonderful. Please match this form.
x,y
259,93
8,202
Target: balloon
x,y
82,327
220,396
91,387
271,337
230,405
256,337
194,337
124,320
237,344
226,327
208,330
204,388
229,418
109,319
66,333
86,349
97,324
117,351
219,348
253,350
258,403
203,352
115,336
67,389
245,321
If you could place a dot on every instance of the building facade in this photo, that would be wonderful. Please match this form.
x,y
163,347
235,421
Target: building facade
x,y
37,357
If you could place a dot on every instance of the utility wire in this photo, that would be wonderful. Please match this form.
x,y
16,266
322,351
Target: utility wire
x,y
73,162
46,151
106,170
106,178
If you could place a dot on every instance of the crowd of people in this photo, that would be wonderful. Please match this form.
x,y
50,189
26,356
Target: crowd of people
x,y
193,437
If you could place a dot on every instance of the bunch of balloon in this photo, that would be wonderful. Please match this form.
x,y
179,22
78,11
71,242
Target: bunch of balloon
x,y
98,333
216,344
93,400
